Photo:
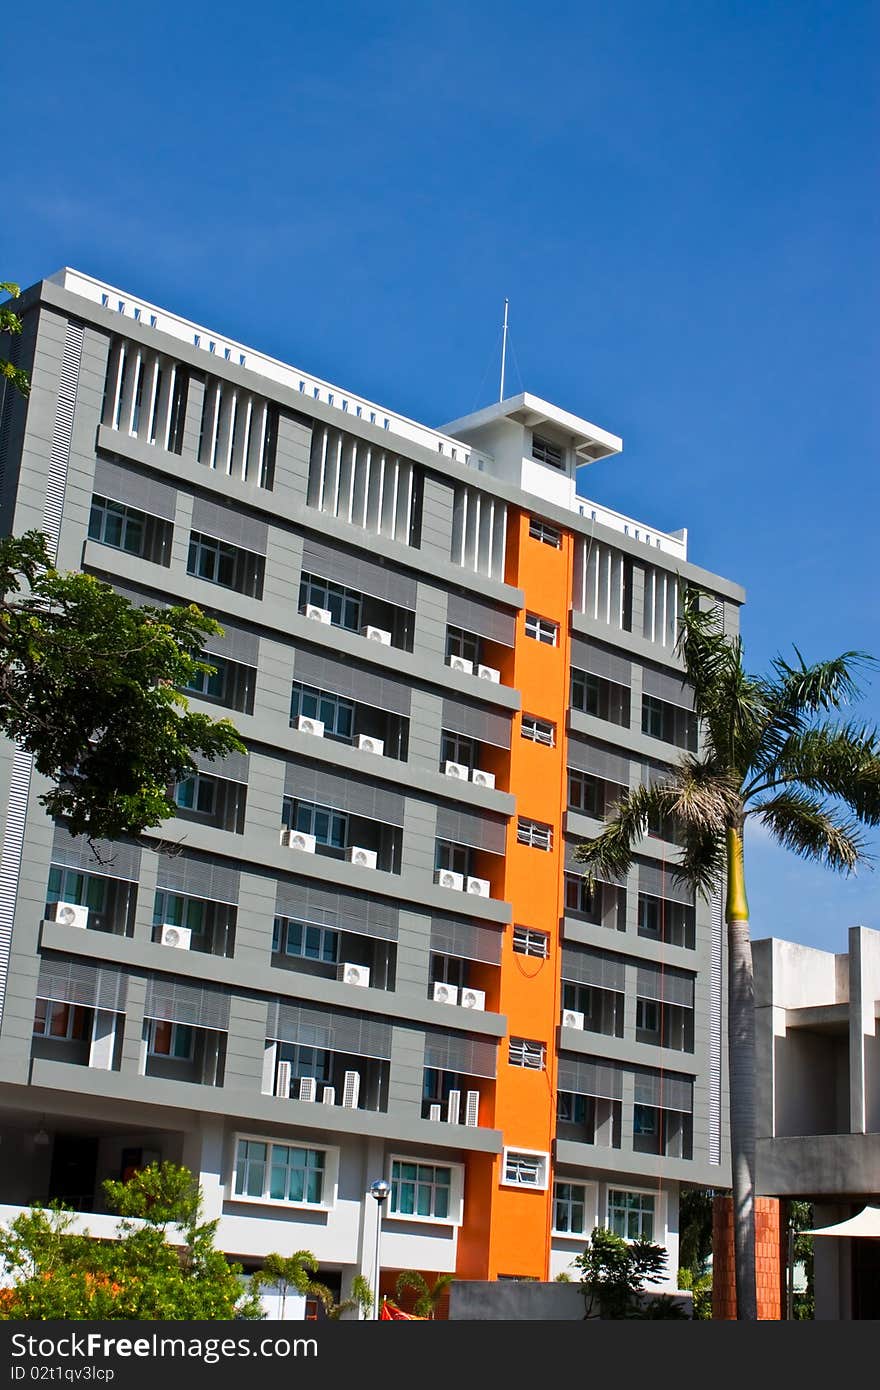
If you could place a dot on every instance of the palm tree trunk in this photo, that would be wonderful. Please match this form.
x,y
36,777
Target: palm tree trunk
x,y
741,1065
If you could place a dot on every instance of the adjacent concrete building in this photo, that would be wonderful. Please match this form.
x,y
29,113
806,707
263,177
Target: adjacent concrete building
x,y
818,1121
369,953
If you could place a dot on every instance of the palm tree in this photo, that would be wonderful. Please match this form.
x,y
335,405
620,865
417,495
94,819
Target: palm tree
x,y
287,1272
428,1296
770,750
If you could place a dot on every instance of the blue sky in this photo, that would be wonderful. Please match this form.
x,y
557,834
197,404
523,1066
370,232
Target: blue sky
x,y
679,197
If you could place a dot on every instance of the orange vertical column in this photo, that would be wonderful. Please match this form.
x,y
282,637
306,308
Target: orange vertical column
x,y
507,1228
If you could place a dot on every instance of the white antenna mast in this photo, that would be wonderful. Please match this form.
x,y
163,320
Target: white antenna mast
x,y
503,350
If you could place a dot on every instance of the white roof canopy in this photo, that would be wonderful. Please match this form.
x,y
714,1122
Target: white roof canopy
x,y
867,1223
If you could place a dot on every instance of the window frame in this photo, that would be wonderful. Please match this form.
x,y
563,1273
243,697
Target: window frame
x,y
587,1201
328,707
513,1152
529,1054
330,1182
126,515
532,937
543,630
281,928
534,834
547,451
77,1018
455,1212
533,728
641,1193
540,530
171,1055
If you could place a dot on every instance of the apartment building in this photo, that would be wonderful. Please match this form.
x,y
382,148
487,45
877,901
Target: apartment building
x,y
363,950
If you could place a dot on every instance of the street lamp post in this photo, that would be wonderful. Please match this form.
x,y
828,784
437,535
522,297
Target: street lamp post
x,y
379,1190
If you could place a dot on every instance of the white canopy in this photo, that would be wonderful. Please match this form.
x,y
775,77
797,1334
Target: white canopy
x,y
867,1223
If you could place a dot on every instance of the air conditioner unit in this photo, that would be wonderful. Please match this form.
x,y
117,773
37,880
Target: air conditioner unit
x,y
456,770
306,725
298,839
434,1112
572,1019
175,936
473,999
70,914
448,878
488,673
461,663
319,615
443,993
369,744
472,1108
481,778
351,974
308,1088
480,886
351,1089
282,1080
366,858
377,634
453,1107
328,1095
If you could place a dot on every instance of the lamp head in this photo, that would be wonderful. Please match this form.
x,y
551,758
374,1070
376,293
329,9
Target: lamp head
x,y
380,1190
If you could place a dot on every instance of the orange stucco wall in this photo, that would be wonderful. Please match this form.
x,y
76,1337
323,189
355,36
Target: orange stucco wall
x,y
507,1230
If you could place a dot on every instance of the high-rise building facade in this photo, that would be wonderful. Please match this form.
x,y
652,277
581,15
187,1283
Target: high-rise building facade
x,y
364,949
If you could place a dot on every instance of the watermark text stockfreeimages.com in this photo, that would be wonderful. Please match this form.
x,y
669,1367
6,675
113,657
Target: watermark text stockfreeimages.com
x,y
91,1345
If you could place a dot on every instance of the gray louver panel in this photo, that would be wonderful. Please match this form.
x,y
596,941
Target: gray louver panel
x,y
198,1006
232,768
665,685
600,661
475,615
475,721
660,883
587,1077
197,878
62,433
456,936
227,524
715,1038
354,1034
235,644
470,828
665,983
112,858
667,1090
357,572
650,773
343,793
597,968
460,1052
123,484
77,982
353,682
351,912
586,756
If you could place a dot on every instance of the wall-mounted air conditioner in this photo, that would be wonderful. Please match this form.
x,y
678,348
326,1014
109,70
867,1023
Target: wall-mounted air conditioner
x,y
456,770
365,858
304,724
481,778
453,1107
308,1088
377,634
351,974
298,839
448,878
282,1080
461,663
328,1095
473,999
572,1019
175,936
442,993
368,744
435,1111
70,914
488,673
351,1089
472,1108
479,886
318,615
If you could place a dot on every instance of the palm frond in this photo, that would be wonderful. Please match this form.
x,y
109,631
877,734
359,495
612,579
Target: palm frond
x,y
706,650
703,859
609,855
824,685
838,760
814,830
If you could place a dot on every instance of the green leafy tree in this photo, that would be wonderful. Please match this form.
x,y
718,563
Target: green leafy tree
x,y
287,1272
695,1210
428,1296
614,1273
162,1265
89,684
361,1298
10,324
773,749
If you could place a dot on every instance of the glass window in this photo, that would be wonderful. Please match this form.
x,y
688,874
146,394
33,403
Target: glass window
x,y
296,1175
305,1061
167,1039
571,1108
631,1215
436,1084
540,531
329,827
542,629
456,748
534,834
250,1168
305,940
198,794
648,1015
569,1208
420,1189
448,855
72,886
538,730
210,683
344,605
524,1169
230,566
526,1052
545,451
527,942
334,712
175,910
462,643
114,524
57,1020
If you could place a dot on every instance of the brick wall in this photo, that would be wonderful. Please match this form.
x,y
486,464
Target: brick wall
x,y
769,1259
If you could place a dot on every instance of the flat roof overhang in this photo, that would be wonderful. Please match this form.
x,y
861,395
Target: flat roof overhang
x,y
590,442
